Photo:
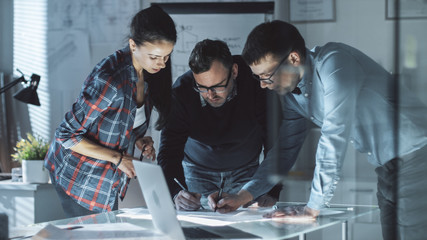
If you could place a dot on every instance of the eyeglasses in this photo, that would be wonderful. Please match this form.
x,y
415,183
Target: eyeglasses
x,y
215,89
269,80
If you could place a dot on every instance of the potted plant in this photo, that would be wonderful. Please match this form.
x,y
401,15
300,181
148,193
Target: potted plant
x,y
31,152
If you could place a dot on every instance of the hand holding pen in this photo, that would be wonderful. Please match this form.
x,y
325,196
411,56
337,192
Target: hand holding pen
x,y
145,144
221,189
186,200
224,202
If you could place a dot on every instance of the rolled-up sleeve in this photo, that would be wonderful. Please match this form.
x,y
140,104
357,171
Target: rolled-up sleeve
x,y
96,97
282,156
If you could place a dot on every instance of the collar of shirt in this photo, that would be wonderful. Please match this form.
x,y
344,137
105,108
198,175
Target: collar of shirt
x,y
307,77
128,61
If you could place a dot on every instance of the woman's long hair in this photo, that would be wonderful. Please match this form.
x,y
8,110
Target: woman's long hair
x,y
152,25
160,92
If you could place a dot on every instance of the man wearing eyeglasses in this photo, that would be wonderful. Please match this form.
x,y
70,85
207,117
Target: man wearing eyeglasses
x,y
352,99
215,134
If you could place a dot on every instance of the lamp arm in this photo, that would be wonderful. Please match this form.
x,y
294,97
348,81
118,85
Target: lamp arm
x,y
11,84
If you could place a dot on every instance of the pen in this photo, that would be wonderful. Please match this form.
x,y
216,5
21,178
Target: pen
x,y
72,228
183,188
221,189
142,157
176,180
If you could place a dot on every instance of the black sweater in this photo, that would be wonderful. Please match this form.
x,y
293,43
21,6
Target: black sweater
x,y
216,139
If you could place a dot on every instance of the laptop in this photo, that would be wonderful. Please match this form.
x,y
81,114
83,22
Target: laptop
x,y
159,203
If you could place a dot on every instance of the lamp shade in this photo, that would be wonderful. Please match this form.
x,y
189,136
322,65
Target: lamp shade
x,y
29,94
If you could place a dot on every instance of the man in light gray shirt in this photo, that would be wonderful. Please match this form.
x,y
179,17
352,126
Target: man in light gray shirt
x,y
353,100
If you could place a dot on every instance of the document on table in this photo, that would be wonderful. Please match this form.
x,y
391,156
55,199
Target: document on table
x,y
207,217
98,231
211,218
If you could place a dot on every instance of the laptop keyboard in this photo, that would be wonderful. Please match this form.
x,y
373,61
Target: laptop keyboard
x,y
195,232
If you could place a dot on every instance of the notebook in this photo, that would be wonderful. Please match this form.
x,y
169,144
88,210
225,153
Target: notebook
x,y
159,203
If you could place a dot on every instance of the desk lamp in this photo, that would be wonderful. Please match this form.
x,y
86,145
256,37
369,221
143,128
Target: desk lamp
x,y
28,94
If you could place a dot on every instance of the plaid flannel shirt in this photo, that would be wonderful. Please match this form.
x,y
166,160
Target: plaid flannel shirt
x,y
104,113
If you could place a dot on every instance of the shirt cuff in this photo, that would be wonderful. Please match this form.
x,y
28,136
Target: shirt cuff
x,y
317,202
72,141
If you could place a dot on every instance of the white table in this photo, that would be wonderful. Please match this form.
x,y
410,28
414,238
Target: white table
x,y
267,229
28,203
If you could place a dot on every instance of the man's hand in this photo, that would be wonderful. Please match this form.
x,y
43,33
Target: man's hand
x,y
229,202
187,201
145,144
297,212
127,167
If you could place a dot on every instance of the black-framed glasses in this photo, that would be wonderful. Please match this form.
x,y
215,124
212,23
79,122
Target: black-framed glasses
x,y
269,80
217,88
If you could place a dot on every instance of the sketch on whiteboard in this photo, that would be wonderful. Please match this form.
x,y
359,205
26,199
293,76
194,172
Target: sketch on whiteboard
x,y
66,49
68,58
106,21
192,28
186,39
110,19
67,14
234,43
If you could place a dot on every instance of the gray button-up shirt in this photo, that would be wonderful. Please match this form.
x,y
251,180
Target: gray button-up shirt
x,y
351,98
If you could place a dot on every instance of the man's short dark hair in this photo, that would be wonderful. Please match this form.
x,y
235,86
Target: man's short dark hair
x,y
207,51
277,37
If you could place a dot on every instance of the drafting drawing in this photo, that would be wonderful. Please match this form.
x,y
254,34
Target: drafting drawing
x,y
110,19
178,70
192,28
65,50
106,21
186,39
68,58
67,14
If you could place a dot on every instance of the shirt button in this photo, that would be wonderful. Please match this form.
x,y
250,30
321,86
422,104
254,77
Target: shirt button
x,y
312,118
369,153
351,141
305,94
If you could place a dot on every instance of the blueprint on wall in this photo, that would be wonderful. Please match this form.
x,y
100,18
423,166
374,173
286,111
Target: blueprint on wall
x,y
81,33
192,28
106,21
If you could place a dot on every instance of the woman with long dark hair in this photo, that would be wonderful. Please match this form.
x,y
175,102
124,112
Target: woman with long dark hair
x,y
90,158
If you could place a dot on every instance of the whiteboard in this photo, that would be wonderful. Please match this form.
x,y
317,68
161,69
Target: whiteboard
x,y
231,28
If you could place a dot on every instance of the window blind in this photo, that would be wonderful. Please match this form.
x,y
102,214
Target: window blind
x,y
30,25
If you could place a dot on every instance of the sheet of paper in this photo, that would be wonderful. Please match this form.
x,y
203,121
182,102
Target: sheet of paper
x,y
206,217
137,213
99,231
210,218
